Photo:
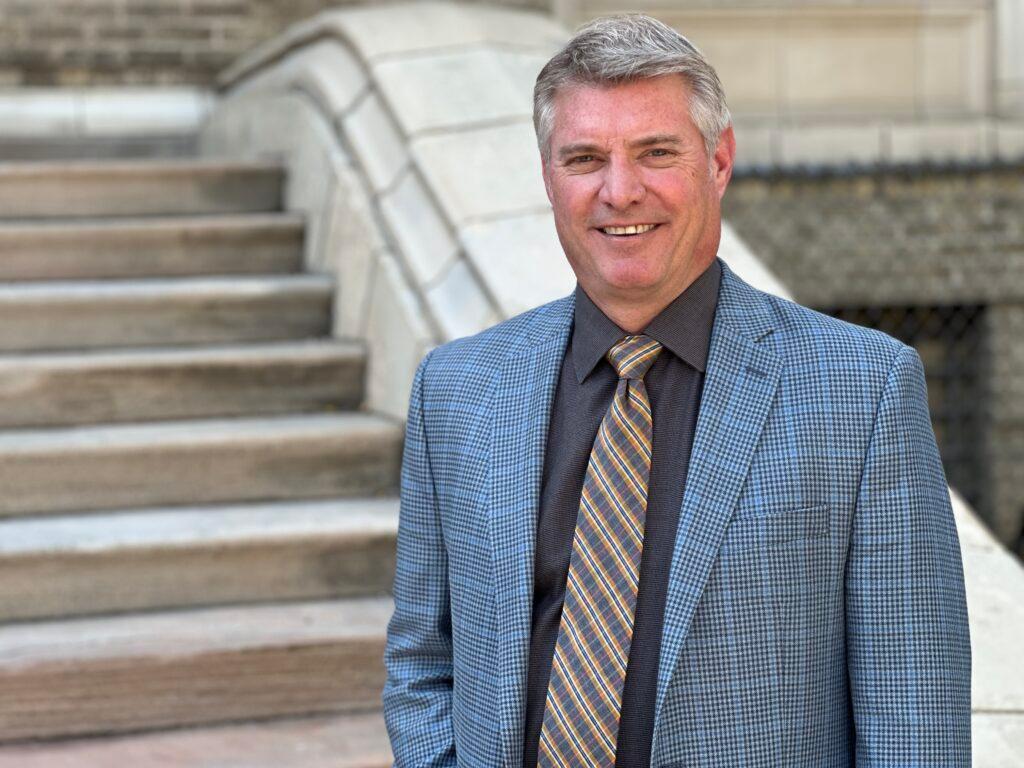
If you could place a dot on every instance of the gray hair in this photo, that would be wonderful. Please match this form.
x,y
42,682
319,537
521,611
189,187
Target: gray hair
x,y
623,48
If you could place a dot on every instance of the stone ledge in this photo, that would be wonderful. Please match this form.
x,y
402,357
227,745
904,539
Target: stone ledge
x,y
94,112
770,145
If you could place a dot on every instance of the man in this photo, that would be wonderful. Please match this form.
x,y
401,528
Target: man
x,y
669,520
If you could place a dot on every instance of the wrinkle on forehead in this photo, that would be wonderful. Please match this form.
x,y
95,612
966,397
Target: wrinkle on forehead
x,y
593,117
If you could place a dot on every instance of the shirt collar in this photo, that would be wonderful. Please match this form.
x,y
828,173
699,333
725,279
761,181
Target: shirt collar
x,y
683,327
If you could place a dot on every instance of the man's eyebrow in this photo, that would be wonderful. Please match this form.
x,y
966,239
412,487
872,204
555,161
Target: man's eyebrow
x,y
646,141
573,149
658,138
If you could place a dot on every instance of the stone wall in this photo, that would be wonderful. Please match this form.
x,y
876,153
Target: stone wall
x,y
151,42
881,247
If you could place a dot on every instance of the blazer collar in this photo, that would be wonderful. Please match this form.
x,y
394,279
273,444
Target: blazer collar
x,y
741,310
739,387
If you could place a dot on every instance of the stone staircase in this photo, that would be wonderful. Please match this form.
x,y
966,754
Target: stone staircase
x,y
197,522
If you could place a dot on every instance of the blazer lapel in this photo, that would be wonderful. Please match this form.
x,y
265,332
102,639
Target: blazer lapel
x,y
739,388
523,400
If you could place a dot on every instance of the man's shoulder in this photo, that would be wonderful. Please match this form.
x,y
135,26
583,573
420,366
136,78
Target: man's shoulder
x,y
483,353
808,337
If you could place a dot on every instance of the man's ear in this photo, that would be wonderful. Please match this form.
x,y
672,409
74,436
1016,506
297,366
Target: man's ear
x,y
723,159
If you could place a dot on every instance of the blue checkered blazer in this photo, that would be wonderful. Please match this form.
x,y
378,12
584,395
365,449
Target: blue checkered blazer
x,y
815,613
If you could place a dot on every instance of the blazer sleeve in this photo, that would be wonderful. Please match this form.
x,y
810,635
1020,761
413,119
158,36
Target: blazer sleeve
x,y
417,694
908,644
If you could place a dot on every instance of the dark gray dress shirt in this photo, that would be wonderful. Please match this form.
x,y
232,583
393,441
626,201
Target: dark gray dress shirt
x,y
585,388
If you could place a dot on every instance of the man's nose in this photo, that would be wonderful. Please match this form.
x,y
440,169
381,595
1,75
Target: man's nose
x,y
622,185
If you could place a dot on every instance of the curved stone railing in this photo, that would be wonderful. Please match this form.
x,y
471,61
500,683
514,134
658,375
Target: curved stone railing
x,y
407,135
408,139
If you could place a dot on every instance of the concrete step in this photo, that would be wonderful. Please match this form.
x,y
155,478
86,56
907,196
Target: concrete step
x,y
213,665
49,148
69,189
192,556
90,249
163,311
101,386
335,741
197,462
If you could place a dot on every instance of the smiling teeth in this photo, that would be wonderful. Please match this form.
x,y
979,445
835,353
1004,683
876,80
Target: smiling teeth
x,y
633,230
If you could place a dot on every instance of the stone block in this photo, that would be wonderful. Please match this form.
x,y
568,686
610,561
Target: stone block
x,y
460,304
301,136
831,144
1009,75
115,112
816,72
448,90
756,145
520,261
412,28
997,739
464,171
744,49
349,246
376,142
35,111
397,339
325,70
950,80
1010,140
995,582
425,238
332,77
962,140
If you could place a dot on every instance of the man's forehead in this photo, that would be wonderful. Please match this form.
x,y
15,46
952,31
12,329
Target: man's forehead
x,y
620,90
648,106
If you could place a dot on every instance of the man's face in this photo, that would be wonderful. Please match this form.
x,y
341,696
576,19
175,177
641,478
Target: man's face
x,y
630,156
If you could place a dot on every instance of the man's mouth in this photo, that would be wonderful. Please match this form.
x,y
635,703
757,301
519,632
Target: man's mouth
x,y
632,229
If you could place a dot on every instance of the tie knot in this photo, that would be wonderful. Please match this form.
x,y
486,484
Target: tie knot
x,y
633,356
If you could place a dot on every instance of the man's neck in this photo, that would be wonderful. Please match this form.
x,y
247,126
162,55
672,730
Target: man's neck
x,y
629,317
633,315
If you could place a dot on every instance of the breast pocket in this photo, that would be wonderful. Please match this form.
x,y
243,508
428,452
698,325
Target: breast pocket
x,y
772,592
766,597
764,530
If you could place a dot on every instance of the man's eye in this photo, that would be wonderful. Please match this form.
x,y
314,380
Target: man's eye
x,y
659,153
581,159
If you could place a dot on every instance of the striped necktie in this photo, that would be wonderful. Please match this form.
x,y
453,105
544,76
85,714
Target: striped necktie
x,y
581,714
